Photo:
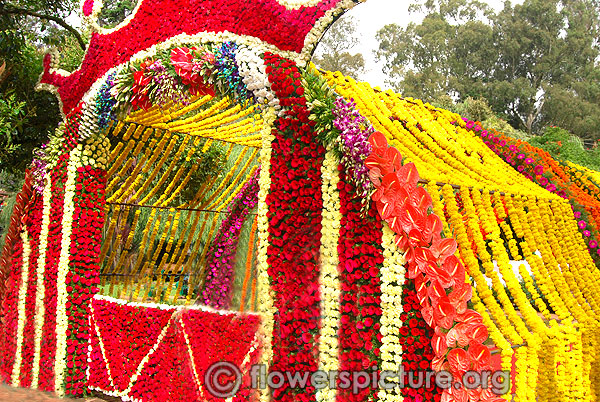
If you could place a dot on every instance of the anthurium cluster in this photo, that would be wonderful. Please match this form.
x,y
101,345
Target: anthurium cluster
x,y
220,265
439,276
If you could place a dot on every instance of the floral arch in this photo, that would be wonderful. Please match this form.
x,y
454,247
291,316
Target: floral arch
x,y
201,159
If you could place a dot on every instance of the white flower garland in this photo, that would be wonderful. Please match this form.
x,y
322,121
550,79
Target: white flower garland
x,y
252,69
265,295
16,372
62,320
40,308
329,278
392,284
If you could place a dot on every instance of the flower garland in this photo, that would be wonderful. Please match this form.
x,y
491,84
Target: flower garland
x,y
11,313
266,296
83,275
58,178
329,276
361,259
40,285
392,288
295,206
21,319
218,283
62,318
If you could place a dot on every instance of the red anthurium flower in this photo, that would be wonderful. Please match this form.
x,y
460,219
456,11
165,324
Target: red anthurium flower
x,y
422,257
444,313
421,287
421,199
456,269
458,335
459,362
379,143
375,161
435,291
474,394
182,61
427,313
433,228
415,237
443,248
438,342
437,364
459,297
408,174
411,218
401,240
385,209
479,355
470,317
479,333
394,157
439,273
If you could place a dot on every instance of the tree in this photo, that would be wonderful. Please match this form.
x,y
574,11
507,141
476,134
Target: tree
x,y
333,51
535,63
27,29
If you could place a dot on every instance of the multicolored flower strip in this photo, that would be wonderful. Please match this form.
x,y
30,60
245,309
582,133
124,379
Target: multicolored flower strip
x,y
253,23
220,265
538,166
295,205
152,352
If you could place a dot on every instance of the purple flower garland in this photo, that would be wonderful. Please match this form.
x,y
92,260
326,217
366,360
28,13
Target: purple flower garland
x,y
354,142
220,264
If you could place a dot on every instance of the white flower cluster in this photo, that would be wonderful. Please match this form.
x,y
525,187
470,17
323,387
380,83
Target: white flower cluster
x,y
329,279
252,69
392,284
62,320
40,308
96,151
21,308
265,295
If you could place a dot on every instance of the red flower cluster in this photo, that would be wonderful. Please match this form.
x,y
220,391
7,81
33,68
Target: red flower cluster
x,y
156,21
72,122
83,276
130,333
415,339
295,205
439,276
8,337
33,223
48,349
361,257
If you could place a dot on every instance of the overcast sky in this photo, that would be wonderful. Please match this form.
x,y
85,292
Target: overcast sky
x,y
373,15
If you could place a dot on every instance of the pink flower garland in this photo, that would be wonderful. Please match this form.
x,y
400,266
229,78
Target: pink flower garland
x,y
219,279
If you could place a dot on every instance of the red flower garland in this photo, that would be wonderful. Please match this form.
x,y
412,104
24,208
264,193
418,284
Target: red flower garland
x,y
83,275
361,257
33,223
295,206
48,345
8,336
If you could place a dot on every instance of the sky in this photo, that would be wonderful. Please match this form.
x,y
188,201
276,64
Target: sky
x,y
373,15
